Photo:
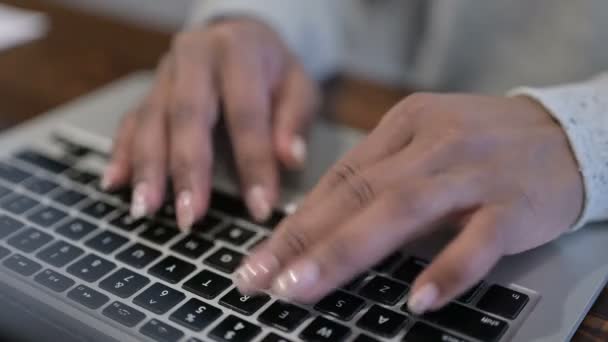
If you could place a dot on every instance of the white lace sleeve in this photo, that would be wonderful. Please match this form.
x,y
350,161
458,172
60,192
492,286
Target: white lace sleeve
x,y
582,110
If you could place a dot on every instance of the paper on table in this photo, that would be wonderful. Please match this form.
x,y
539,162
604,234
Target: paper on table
x,y
18,26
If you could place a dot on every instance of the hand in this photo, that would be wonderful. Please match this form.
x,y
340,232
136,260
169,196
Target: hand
x,y
267,99
500,168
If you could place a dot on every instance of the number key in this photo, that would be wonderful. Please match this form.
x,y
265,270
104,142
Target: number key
x,y
195,315
124,283
159,298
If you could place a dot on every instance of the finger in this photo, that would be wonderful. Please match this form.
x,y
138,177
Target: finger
x,y
246,97
193,112
298,101
118,171
463,263
149,148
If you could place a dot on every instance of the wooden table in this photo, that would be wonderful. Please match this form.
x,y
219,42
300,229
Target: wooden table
x,y
84,51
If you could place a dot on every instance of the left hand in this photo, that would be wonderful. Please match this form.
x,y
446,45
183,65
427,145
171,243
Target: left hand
x,y
501,168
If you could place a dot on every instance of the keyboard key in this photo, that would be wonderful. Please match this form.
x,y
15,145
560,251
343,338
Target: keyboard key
x,y
21,265
365,338
106,242
88,297
283,316
13,174
160,331
468,296
124,314
322,329
206,224
356,282
18,204
381,321
468,322
69,198
383,290
167,211
409,270
422,332
47,216
503,301
42,161
54,281
8,226
159,233
235,235
4,252
195,315
246,305
234,329
124,283
207,284
138,255
29,240
340,304
159,298
91,268
99,209
233,206
40,186
59,254
127,223
81,177
192,246
4,191
272,337
76,229
387,263
225,260
172,269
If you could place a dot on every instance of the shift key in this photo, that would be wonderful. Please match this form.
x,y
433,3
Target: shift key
x,y
468,322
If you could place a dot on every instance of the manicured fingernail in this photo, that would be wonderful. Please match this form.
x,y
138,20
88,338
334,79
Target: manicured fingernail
x,y
256,272
296,279
108,177
185,211
257,201
299,150
138,202
423,299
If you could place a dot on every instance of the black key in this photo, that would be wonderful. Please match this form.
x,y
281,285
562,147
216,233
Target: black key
x,y
54,281
127,223
233,206
355,282
272,337
469,322
42,161
422,332
365,338
159,233
47,216
192,246
124,314
21,265
283,316
91,267
29,240
8,226
88,297
76,229
235,235
99,209
381,321
167,211
234,329
195,315
4,252
192,339
59,254
172,269
138,255
409,270
468,296
40,186
81,177
246,305
18,204
69,198
503,301
322,329
387,263
13,174
384,290
340,304
207,284
124,283
160,331
4,191
106,242
159,298
225,260
206,224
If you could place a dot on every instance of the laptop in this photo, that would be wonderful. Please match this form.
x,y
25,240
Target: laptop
x,y
75,267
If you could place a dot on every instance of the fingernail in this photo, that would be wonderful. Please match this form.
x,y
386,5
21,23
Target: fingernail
x,y
299,150
299,278
256,272
257,201
138,201
185,211
108,177
423,299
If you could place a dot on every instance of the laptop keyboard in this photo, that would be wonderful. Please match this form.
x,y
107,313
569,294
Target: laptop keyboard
x,y
58,230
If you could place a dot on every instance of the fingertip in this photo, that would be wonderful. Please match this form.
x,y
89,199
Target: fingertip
x,y
185,210
423,298
258,202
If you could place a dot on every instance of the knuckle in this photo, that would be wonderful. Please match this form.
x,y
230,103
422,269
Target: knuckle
x,y
357,185
295,238
182,112
411,202
416,103
341,251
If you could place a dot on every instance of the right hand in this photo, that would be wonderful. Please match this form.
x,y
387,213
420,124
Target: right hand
x,y
268,101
